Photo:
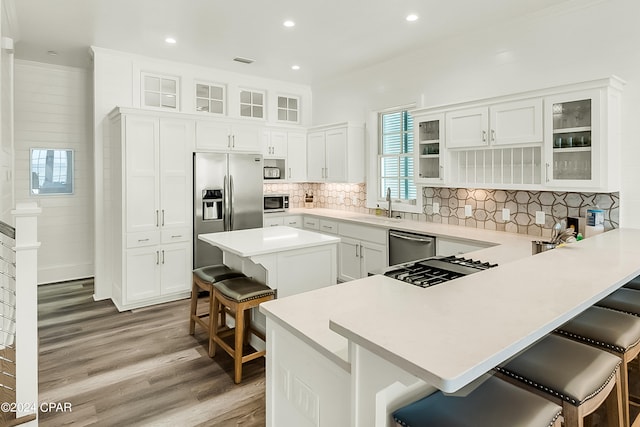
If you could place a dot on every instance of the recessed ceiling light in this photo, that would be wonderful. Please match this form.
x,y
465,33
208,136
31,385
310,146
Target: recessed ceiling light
x,y
289,23
412,17
170,40
295,67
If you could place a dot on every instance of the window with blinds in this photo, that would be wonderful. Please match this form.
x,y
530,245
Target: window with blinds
x,y
395,158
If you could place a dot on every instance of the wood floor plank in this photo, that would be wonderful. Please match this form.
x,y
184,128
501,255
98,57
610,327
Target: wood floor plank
x,y
138,367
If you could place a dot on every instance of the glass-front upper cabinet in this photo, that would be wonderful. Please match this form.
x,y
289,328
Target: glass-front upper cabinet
x,y
573,139
429,151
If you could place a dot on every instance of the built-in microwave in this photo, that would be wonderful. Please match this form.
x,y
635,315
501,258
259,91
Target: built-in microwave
x,y
276,203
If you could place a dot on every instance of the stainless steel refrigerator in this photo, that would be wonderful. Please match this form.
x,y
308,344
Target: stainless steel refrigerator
x,y
227,195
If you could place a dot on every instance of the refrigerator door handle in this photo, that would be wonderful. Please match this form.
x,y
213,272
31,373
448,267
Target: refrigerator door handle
x,y
231,189
225,203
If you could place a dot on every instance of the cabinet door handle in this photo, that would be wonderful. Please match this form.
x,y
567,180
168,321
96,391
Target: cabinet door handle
x,y
357,254
163,217
157,257
484,136
546,172
233,141
289,173
228,141
163,256
157,218
441,172
493,134
361,251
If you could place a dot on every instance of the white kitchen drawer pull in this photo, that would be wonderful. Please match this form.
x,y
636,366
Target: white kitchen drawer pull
x,y
143,240
175,236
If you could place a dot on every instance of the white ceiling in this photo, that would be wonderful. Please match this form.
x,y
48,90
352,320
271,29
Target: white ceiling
x,y
330,37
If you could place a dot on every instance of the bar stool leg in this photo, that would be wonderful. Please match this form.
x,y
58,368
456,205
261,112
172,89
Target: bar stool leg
x,y
214,308
239,343
194,307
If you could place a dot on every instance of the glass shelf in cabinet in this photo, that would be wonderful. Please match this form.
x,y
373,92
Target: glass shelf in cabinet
x,y
572,130
571,149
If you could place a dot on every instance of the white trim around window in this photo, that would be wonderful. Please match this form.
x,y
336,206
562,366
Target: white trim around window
x,y
159,92
210,98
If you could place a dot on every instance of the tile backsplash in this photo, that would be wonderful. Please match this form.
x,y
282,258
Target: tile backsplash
x,y
486,205
487,208
348,197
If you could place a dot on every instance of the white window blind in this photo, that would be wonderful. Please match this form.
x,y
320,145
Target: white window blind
x,y
395,158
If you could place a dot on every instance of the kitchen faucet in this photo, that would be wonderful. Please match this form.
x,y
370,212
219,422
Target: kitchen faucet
x,y
388,199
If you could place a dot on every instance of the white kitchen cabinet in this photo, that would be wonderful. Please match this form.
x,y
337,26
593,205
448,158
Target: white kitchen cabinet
x,y
274,144
220,135
582,141
335,153
517,122
294,221
270,221
362,249
328,226
157,272
150,207
429,140
296,157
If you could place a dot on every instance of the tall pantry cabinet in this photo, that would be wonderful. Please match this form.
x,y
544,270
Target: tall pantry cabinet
x,y
151,196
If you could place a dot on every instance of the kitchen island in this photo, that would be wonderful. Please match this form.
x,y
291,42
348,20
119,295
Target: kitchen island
x,y
287,259
352,354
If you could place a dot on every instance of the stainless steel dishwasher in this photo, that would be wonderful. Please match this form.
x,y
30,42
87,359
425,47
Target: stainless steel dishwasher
x,y
405,246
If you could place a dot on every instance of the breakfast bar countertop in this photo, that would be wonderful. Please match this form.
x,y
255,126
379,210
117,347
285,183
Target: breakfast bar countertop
x,y
451,334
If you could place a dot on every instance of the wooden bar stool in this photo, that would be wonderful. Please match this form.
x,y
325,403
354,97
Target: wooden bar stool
x,y
495,403
202,280
238,296
572,374
613,331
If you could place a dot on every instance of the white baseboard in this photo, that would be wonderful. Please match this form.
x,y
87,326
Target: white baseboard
x,y
64,273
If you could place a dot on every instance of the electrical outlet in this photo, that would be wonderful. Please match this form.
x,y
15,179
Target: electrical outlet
x,y
436,207
467,210
540,217
506,214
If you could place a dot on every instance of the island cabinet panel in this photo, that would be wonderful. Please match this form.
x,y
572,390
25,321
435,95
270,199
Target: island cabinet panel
x,y
151,193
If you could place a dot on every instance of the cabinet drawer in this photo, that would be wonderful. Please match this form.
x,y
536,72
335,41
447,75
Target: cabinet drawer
x,y
174,235
143,238
272,221
327,226
360,232
312,223
293,221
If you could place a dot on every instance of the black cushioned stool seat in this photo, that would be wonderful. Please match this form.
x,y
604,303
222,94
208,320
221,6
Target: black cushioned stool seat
x,y
614,331
238,296
624,299
633,284
203,279
495,403
578,376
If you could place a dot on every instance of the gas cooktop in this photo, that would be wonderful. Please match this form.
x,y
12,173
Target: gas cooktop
x,y
435,270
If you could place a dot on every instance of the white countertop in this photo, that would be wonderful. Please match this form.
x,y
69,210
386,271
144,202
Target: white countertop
x,y
261,241
451,334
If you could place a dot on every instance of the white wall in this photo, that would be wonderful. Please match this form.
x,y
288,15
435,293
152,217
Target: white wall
x,y
53,110
566,44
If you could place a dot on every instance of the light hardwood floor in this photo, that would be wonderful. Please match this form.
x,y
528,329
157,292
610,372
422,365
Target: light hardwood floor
x,y
138,367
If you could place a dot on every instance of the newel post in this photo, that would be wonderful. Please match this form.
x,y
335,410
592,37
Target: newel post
x,y
26,224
